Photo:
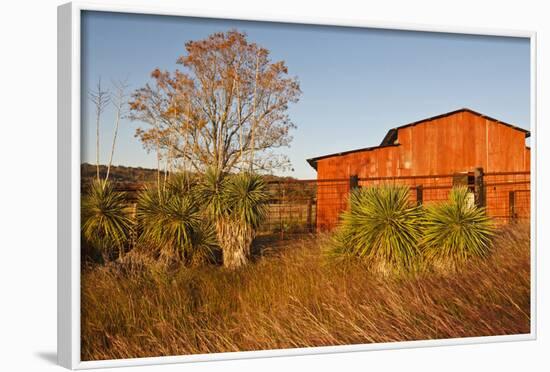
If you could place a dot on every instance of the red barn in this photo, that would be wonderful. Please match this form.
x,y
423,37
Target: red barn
x,y
433,154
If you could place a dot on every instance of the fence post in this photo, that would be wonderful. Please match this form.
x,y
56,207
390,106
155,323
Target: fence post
x,y
512,205
419,195
309,212
353,182
479,189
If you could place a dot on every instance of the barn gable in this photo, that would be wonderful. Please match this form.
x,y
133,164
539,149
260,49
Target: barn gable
x,y
391,136
432,145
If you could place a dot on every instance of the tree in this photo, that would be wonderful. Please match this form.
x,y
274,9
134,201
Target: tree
x,y
237,205
227,108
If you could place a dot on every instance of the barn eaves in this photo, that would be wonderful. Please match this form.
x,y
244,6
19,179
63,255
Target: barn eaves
x,y
313,161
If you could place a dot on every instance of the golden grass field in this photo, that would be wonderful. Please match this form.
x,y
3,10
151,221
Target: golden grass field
x,y
291,297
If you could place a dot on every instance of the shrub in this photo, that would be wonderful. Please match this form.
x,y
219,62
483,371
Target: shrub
x,y
106,225
237,205
171,220
456,231
381,227
246,197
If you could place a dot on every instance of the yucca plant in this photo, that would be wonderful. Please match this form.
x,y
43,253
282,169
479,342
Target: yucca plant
x,y
245,197
210,192
237,205
171,221
381,227
106,224
456,231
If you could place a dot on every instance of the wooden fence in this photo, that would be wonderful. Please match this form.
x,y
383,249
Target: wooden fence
x,y
308,206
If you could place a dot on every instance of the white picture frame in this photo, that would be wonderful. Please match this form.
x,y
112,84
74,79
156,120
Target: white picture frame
x,y
69,99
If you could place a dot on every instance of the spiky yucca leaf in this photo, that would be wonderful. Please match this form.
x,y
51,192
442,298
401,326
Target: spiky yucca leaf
x,y
182,183
381,227
245,197
205,244
210,193
456,230
171,220
106,224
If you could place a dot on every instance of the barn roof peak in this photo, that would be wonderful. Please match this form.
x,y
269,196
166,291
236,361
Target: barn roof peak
x,y
391,136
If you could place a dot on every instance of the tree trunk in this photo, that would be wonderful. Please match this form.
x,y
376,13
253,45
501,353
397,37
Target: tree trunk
x,y
235,240
254,116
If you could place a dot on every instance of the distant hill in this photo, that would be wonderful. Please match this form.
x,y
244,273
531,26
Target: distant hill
x,y
124,174
131,179
118,173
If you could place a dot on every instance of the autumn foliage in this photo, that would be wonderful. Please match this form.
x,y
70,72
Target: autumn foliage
x,y
226,108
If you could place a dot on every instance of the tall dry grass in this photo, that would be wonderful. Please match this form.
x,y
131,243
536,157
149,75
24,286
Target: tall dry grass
x,y
291,297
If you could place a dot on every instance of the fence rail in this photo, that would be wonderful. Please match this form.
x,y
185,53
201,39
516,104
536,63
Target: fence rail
x,y
307,206
505,196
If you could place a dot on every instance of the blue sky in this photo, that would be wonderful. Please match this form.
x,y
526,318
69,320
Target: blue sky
x,y
357,83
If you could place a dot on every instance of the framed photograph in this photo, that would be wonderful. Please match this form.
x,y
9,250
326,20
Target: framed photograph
x,y
237,187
